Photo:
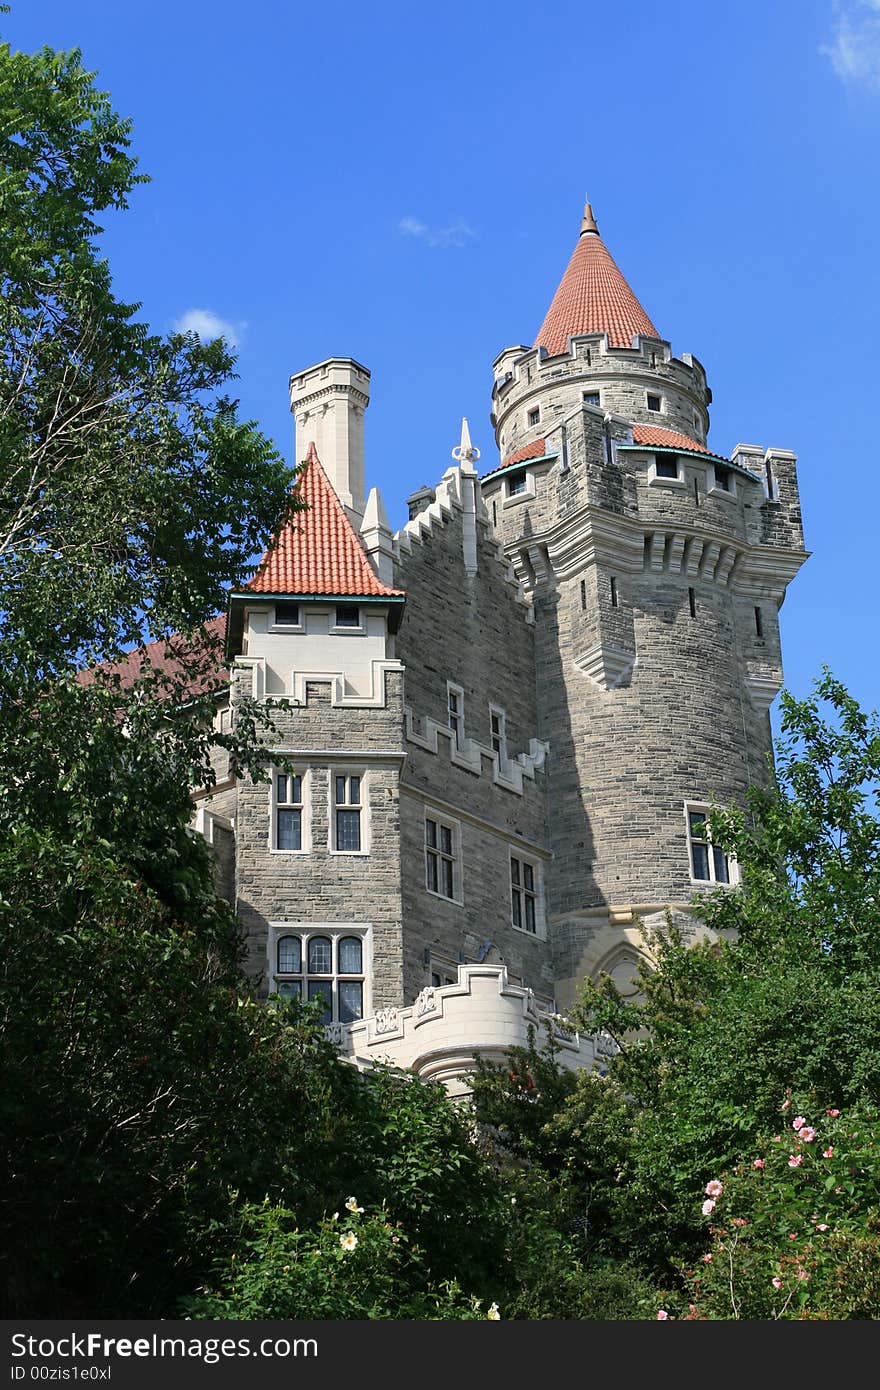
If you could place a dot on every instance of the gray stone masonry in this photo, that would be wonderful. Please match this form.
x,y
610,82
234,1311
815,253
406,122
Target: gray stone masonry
x,y
471,630
657,645
623,377
322,886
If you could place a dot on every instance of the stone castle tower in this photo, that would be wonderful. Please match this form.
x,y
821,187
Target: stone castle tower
x,y
506,722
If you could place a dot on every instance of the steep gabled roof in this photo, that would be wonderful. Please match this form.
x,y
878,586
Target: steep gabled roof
x,y
317,552
593,297
170,657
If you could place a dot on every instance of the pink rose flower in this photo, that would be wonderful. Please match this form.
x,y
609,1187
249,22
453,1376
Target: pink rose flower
x,y
758,1163
822,1226
786,1103
714,1188
829,1152
708,1207
707,1259
777,1282
795,1161
777,1139
662,1315
833,1113
807,1134
802,1274
798,1122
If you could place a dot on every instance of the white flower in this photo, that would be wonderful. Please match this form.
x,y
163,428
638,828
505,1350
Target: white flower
x,y
348,1241
493,1314
351,1204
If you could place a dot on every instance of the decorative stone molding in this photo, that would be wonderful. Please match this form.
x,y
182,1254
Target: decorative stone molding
x,y
375,698
762,690
442,1033
469,754
608,667
457,491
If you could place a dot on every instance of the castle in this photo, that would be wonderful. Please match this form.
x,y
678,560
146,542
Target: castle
x,y
508,720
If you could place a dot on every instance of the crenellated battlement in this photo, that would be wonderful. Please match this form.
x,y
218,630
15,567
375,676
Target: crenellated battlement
x,y
629,382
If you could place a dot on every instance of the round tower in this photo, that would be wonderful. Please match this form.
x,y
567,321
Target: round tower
x,y
656,568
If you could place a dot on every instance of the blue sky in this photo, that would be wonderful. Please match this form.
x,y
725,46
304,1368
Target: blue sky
x,y
403,184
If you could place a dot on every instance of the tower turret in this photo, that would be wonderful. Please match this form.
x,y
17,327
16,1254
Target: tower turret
x,y
596,346
656,569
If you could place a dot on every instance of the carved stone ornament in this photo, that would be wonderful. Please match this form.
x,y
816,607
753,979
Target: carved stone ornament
x,y
386,1020
425,1002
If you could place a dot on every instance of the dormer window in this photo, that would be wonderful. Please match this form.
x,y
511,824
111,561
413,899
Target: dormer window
x,y
534,416
287,615
722,478
348,615
516,485
666,467
654,402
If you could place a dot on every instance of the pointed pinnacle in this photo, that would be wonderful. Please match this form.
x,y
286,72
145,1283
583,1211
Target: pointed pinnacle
x,y
465,452
588,223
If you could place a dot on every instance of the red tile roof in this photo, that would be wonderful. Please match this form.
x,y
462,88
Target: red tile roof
x,y
536,450
317,551
667,439
593,297
165,657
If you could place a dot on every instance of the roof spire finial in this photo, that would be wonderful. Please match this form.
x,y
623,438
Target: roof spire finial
x,y
588,223
465,452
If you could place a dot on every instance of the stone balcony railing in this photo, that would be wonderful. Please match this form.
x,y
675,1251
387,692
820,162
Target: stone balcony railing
x,y
441,1034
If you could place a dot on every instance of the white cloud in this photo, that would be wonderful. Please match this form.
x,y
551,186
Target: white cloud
x,y
854,50
208,325
457,233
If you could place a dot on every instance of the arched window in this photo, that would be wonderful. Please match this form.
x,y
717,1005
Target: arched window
x,y
317,966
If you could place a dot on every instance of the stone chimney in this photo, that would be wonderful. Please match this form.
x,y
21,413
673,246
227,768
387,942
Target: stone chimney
x,y
327,402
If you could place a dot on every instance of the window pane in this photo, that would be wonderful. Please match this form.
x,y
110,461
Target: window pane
x,y
351,1000
697,820
348,615
514,870
290,989
296,794
348,830
446,878
340,791
517,910
431,833
350,956
282,786
719,859
446,839
453,702
700,855
286,614
289,829
354,791
529,877
322,989
530,914
289,955
433,882
320,956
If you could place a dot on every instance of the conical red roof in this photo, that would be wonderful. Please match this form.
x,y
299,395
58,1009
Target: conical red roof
x,y
317,551
593,297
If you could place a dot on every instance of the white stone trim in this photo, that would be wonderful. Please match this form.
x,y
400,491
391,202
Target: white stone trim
x,y
347,770
306,820
440,1035
703,808
454,825
364,930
